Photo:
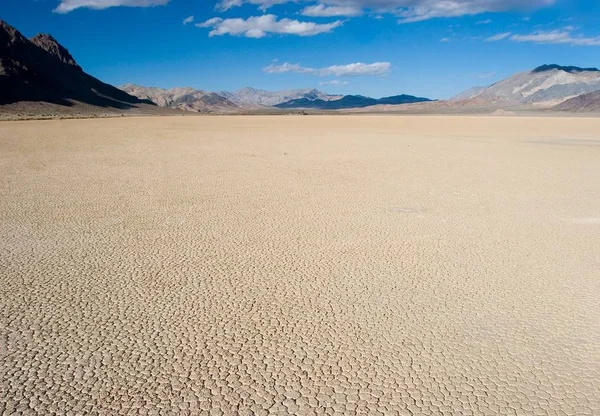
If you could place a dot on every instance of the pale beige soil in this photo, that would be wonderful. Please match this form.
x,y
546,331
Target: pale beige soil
x,y
372,265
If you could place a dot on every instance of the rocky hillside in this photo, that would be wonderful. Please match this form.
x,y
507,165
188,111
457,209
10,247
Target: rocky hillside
x,y
468,94
586,103
188,99
250,97
42,70
545,86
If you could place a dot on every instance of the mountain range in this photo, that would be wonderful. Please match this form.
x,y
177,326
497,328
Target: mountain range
x,y
191,99
40,73
251,97
187,99
545,87
350,101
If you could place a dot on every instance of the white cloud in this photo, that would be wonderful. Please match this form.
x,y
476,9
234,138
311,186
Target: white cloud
x,y
320,10
224,5
407,10
557,37
188,20
260,26
334,82
484,22
67,6
377,68
418,10
444,40
499,36
356,69
287,67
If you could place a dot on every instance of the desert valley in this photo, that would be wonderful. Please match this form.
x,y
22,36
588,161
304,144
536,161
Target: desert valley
x,y
401,255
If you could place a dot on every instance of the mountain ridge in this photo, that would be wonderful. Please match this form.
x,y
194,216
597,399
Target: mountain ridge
x,y
191,99
569,69
42,70
253,97
352,101
545,86
182,98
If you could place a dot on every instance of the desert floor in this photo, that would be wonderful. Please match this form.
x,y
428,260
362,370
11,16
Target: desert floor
x,y
373,265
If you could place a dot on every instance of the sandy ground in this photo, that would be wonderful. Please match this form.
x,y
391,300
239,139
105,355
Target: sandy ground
x,y
39,110
372,265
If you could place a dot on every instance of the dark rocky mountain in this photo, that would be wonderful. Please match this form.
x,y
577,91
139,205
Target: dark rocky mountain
x,y
51,45
42,70
351,101
586,103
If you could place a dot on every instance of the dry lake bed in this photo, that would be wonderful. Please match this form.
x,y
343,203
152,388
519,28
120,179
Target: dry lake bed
x,y
347,265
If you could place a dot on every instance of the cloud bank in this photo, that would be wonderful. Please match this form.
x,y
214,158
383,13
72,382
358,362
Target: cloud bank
x,y
320,10
260,26
356,69
67,6
334,82
407,10
498,37
224,5
559,37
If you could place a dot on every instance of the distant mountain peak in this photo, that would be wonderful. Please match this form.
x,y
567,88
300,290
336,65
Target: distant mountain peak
x,y
247,89
569,69
252,97
351,101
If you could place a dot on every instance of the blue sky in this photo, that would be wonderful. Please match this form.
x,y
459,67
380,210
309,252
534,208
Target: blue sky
x,y
372,47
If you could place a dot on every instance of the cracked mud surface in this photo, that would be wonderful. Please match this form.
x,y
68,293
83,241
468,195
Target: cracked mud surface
x,y
368,265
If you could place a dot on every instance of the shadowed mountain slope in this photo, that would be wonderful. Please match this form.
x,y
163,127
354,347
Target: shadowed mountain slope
x,y
40,69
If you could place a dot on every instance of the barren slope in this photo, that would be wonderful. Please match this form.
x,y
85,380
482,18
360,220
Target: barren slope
x,y
586,103
300,265
544,87
188,99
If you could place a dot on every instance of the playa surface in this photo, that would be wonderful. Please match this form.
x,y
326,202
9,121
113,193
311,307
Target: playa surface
x,y
372,265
